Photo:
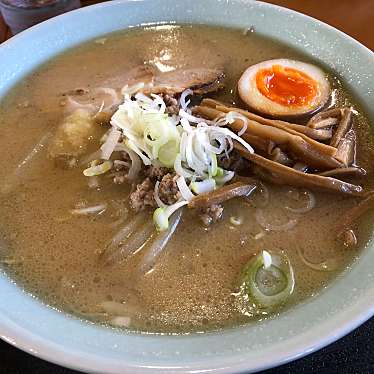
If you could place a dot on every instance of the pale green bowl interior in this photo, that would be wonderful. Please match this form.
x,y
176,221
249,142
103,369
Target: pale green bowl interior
x,y
47,333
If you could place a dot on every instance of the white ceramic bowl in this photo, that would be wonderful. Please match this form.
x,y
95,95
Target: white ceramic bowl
x,y
44,332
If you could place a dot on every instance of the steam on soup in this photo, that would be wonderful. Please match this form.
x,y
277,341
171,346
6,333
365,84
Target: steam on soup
x,y
140,188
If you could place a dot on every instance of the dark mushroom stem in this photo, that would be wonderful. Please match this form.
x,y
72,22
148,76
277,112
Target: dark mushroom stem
x,y
346,148
324,123
281,147
315,134
281,174
335,113
352,171
313,153
343,127
224,193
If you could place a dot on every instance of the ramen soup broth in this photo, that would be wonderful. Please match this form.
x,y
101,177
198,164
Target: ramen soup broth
x,y
54,253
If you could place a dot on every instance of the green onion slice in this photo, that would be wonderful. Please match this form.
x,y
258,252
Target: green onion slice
x,y
268,279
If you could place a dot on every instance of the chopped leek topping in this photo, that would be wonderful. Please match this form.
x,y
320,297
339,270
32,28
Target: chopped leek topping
x,y
236,221
226,176
266,257
168,153
161,219
150,132
268,280
161,215
188,144
204,186
184,189
213,165
220,172
98,169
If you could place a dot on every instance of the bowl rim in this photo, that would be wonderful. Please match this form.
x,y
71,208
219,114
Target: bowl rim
x,y
70,358
42,348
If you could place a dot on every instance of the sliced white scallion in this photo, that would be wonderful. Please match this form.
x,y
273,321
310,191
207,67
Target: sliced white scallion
x,y
268,280
98,169
149,132
186,125
311,203
226,176
145,99
207,185
233,116
119,163
236,221
220,172
158,101
267,226
136,165
329,264
131,90
180,169
159,202
232,135
112,102
183,103
184,189
213,165
168,153
199,147
134,147
266,257
97,209
110,144
187,143
194,119
161,215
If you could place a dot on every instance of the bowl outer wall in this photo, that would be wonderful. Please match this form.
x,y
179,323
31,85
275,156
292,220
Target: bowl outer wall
x,y
49,334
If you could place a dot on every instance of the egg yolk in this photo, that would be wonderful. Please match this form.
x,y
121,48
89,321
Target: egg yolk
x,y
286,86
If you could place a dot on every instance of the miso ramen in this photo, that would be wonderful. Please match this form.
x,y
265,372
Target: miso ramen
x,y
182,178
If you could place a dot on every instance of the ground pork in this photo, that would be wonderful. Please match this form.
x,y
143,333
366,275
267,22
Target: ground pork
x,y
119,177
121,170
168,190
155,172
211,214
143,197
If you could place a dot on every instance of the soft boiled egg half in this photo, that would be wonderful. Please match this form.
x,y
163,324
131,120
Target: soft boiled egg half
x,y
284,88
